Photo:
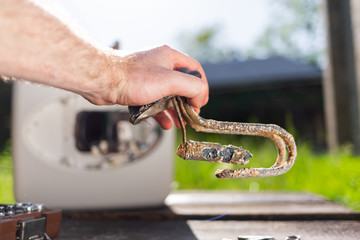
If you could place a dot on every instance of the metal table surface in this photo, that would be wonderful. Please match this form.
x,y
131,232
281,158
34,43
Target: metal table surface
x,y
189,215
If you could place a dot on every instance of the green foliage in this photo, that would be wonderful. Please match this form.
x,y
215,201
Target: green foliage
x,y
205,46
336,176
296,31
6,179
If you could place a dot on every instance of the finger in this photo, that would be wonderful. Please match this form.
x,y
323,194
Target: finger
x,y
197,110
163,120
191,87
175,117
183,61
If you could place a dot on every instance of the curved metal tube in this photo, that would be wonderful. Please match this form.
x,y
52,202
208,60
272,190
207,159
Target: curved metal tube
x,y
281,138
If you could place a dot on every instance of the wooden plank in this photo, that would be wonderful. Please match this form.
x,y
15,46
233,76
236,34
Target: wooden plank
x,y
206,230
187,214
124,229
262,206
319,230
234,206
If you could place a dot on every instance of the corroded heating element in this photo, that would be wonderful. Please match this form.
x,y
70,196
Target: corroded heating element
x,y
282,140
213,152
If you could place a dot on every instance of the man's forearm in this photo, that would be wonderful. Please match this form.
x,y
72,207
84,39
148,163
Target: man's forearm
x,y
36,46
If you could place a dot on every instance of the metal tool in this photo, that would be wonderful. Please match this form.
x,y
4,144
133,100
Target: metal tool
x,y
28,221
214,152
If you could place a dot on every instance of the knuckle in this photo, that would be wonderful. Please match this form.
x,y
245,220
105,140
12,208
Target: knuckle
x,y
203,84
197,63
165,47
166,50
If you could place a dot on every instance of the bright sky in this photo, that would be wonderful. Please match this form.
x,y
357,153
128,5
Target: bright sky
x,y
145,23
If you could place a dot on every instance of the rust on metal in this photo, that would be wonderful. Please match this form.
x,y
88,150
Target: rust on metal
x,y
213,152
194,150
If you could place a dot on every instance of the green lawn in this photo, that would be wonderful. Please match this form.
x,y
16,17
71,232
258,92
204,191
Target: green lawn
x,y
336,176
6,180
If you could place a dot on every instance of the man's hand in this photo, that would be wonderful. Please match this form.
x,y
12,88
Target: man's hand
x,y
38,47
143,77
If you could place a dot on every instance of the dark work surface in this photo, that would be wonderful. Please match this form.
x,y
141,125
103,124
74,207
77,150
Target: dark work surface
x,y
187,215
206,230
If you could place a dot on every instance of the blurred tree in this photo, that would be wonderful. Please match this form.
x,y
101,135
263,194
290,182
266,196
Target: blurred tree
x,y
203,45
296,31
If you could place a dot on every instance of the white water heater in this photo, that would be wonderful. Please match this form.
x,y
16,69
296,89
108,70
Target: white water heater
x,y
71,154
